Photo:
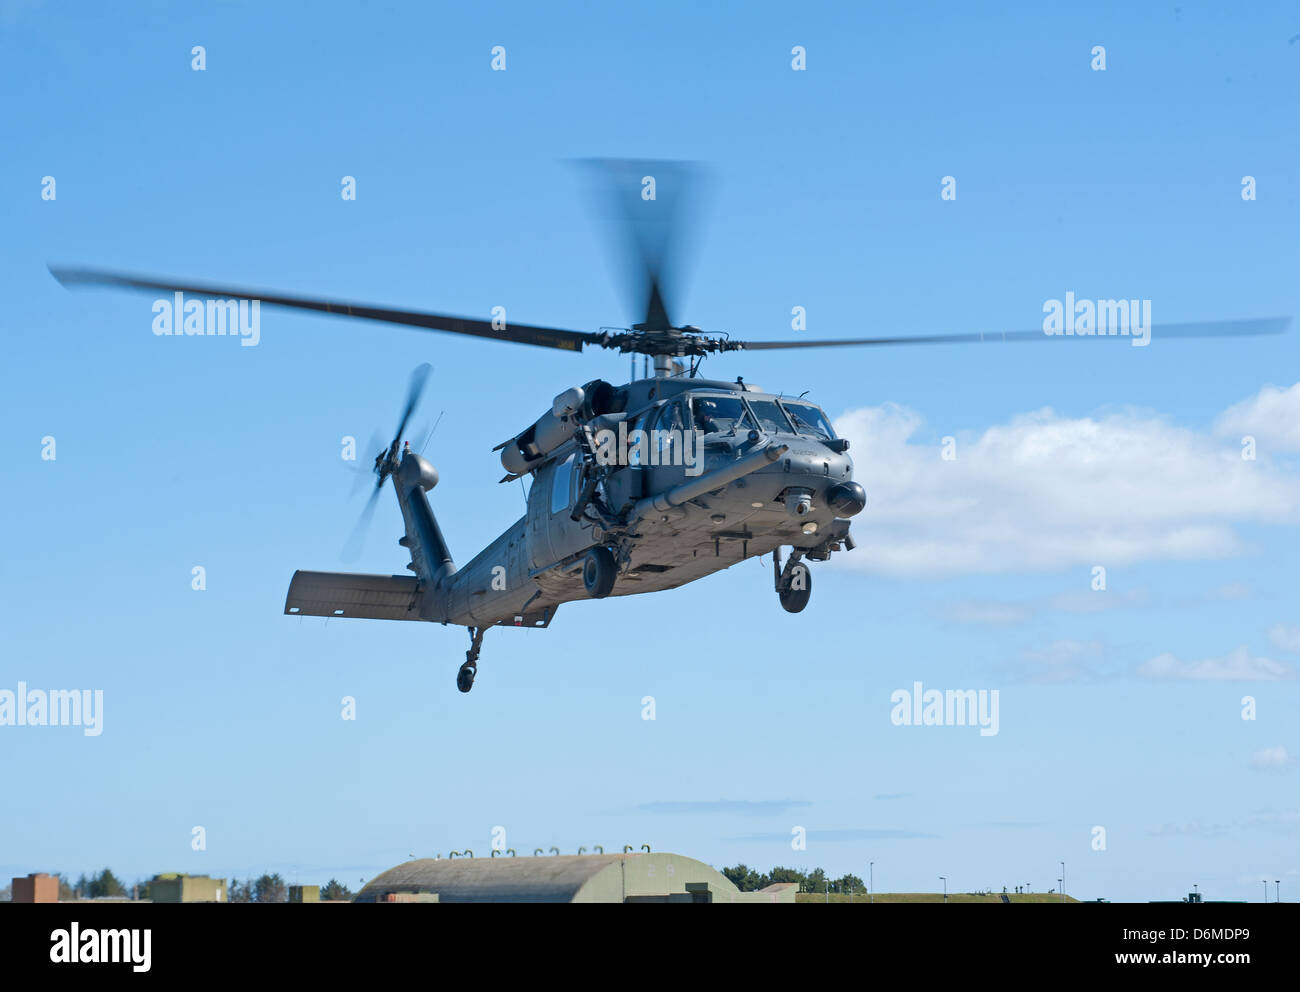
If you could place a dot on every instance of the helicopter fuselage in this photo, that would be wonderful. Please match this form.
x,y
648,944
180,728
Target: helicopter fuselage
x,y
785,499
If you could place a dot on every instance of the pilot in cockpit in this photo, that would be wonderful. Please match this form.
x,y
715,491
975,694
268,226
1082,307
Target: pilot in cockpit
x,y
716,414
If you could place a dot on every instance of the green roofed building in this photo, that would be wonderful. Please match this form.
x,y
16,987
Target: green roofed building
x,y
175,887
639,877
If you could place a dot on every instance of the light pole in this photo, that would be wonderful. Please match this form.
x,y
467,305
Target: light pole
x,y
871,880
1265,881
1062,881
1278,883
945,888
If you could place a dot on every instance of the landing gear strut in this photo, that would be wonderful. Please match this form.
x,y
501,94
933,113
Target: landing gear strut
x,y
793,583
465,677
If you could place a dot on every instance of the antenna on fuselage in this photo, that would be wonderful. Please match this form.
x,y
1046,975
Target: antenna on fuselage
x,y
429,436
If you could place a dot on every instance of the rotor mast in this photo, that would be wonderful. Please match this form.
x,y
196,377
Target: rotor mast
x,y
663,344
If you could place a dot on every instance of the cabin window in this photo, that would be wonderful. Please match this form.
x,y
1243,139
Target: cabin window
x,y
562,485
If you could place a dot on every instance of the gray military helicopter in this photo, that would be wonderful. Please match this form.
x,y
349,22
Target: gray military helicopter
x,y
636,488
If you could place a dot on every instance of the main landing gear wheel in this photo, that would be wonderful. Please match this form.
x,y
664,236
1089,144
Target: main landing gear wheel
x,y
599,570
465,677
796,588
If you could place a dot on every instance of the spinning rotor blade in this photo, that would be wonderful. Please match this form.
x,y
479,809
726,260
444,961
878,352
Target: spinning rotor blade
x,y
542,337
384,464
419,379
645,202
357,539
360,472
1206,329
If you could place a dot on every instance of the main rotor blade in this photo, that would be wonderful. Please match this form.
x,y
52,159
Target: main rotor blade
x,y
542,337
1205,329
645,202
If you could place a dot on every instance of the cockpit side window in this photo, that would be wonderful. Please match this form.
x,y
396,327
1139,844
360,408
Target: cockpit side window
x,y
667,432
635,451
670,417
808,419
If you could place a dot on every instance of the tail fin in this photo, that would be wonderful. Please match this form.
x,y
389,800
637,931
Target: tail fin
x,y
430,558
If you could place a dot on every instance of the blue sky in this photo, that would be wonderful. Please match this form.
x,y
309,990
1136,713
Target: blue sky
x,y
1119,708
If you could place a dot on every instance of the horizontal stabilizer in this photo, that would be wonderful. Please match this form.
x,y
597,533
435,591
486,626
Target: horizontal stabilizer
x,y
346,594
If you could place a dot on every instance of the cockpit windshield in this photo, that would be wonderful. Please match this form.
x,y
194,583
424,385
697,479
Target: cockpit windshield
x,y
718,414
770,417
808,419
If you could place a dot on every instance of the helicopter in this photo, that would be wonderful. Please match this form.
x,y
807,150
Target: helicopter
x,y
636,487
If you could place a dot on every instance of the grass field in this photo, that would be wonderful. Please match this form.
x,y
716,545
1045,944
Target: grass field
x,y
994,899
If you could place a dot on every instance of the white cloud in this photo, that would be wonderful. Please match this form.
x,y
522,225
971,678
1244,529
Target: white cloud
x,y
1050,492
1193,829
1094,601
1237,666
1271,758
1271,416
1287,820
1229,592
1286,638
988,612
1066,661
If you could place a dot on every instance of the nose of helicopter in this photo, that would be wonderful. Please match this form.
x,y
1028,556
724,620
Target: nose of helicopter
x,y
809,480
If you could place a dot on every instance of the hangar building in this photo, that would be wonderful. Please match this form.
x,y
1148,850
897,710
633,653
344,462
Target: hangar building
x,y
631,877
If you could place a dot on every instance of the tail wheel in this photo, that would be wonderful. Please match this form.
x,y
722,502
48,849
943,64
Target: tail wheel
x,y
465,677
599,570
796,589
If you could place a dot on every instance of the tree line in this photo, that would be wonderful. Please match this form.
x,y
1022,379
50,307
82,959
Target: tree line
x,y
748,880
264,888
272,888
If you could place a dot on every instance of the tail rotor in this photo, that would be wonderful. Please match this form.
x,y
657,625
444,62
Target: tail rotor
x,y
387,462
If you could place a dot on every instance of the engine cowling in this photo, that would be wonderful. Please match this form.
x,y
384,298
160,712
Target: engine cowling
x,y
528,449
417,471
